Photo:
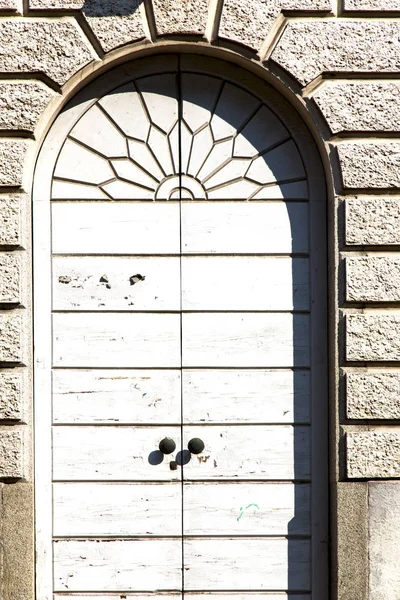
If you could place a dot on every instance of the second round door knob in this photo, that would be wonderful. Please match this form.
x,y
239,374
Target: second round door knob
x,y
196,445
167,446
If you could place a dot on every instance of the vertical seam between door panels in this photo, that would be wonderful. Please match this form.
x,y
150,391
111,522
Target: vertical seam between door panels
x,y
181,306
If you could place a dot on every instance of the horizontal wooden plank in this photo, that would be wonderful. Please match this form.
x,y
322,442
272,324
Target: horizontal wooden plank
x,y
115,228
253,564
100,509
144,596
116,396
154,596
142,564
245,340
240,396
249,452
244,227
115,283
116,340
112,453
245,283
246,509
245,596
192,595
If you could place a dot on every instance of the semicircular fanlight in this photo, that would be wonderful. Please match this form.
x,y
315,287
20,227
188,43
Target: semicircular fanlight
x,y
137,143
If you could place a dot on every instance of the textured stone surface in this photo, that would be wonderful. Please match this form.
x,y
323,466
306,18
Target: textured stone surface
x,y
8,5
373,279
58,4
10,396
373,337
370,165
374,395
360,106
371,5
56,48
10,338
12,156
18,542
175,16
114,22
249,22
383,547
10,453
10,278
372,221
373,454
308,48
21,104
10,220
352,542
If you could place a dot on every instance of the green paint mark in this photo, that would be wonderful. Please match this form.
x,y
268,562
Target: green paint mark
x,y
243,510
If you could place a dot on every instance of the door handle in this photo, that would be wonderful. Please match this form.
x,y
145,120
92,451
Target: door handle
x,y
167,446
196,445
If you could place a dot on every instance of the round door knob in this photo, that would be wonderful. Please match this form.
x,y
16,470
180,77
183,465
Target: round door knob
x,y
167,446
196,445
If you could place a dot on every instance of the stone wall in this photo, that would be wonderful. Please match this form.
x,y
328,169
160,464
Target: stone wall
x,y
340,63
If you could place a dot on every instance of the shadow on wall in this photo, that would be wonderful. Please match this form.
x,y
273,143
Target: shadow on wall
x,y
110,8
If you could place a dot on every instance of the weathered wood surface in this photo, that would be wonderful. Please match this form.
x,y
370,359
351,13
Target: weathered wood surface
x,y
245,340
191,595
116,340
112,453
244,227
229,509
117,565
115,283
240,396
245,283
115,228
252,564
98,509
116,396
249,452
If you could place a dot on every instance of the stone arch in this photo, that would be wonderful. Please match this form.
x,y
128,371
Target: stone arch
x,y
302,155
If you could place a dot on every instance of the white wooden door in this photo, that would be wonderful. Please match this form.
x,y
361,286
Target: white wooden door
x,y
186,302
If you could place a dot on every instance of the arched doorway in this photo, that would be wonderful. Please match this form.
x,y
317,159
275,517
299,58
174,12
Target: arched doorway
x,y
180,302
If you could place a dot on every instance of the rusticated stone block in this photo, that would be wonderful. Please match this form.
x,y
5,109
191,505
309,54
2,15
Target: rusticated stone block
x,y
370,165
57,4
175,16
360,106
10,220
114,22
250,22
308,48
373,454
12,156
56,48
383,546
10,453
10,278
10,338
373,337
381,5
8,5
21,104
10,396
373,279
372,221
374,395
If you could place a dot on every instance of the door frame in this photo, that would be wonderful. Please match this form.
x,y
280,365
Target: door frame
x,y
42,295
